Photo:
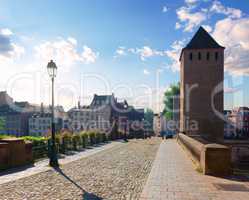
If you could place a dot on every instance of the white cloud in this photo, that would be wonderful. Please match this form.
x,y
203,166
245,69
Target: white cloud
x,y
143,52
178,25
191,16
174,54
121,51
8,49
191,2
6,32
233,34
165,9
189,20
146,72
217,7
72,40
146,52
64,52
207,28
88,55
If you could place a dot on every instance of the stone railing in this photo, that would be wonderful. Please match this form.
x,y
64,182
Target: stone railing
x,y
214,159
192,145
15,152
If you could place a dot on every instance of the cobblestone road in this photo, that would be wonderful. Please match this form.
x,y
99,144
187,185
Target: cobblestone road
x,y
116,173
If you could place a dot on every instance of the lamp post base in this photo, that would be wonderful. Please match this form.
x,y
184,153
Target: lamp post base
x,y
54,163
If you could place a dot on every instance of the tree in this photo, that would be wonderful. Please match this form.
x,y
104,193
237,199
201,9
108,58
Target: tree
x,y
2,124
148,117
172,92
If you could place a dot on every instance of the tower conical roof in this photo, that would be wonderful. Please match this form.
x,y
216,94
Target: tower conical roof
x,y
202,40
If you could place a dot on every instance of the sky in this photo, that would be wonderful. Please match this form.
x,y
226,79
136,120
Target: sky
x,y
127,47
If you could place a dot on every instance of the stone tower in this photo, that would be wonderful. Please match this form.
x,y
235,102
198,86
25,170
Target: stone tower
x,y
202,76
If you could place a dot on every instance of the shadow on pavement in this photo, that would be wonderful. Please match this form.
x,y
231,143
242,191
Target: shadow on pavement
x,y
15,169
86,195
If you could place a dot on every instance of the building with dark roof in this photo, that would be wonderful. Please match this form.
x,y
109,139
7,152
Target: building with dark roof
x,y
103,112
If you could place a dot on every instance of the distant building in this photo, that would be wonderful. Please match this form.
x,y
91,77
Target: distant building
x,y
14,115
229,126
239,120
40,124
5,99
103,112
159,124
23,118
97,116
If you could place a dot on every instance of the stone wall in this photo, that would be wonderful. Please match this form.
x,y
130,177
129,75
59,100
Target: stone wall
x,y
213,159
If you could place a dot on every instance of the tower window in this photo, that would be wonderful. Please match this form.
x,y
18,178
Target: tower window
x,y
199,55
208,55
191,56
216,56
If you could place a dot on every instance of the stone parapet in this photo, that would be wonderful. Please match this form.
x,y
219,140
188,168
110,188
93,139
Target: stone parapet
x,y
214,159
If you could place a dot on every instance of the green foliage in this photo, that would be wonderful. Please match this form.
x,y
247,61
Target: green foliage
x,y
92,137
76,141
5,136
98,137
2,123
104,137
36,141
84,139
169,95
66,142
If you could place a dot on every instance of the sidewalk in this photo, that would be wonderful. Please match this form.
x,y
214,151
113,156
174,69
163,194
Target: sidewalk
x,y
41,166
173,177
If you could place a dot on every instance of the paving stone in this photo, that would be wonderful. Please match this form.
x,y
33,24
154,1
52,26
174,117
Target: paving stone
x,y
174,176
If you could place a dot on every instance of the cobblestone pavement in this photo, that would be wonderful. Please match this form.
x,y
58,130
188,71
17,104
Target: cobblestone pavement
x,y
117,173
42,166
173,177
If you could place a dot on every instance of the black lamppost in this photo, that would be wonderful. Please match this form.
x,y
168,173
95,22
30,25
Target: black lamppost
x,y
53,162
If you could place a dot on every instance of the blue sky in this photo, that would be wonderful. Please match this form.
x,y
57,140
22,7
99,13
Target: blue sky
x,y
129,47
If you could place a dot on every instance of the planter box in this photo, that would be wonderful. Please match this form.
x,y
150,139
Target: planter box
x,y
19,153
4,155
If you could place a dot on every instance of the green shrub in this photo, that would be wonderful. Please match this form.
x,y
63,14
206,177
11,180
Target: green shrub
x,y
36,141
66,142
84,139
92,138
104,138
98,137
39,146
76,141
5,136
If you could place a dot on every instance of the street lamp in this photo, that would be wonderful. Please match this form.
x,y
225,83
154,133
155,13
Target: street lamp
x,y
53,161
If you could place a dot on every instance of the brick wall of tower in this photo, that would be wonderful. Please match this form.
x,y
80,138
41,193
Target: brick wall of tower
x,y
200,77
